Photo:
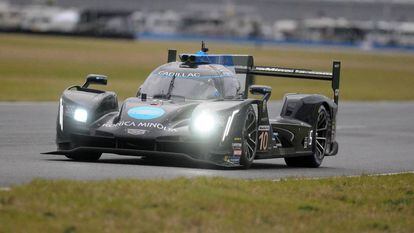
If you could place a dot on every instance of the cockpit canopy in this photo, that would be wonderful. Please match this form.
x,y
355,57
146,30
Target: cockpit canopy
x,y
205,81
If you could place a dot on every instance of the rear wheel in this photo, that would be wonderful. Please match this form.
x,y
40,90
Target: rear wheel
x,y
320,141
85,156
249,143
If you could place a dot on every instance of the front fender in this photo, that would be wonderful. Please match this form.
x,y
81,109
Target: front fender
x,y
231,116
96,103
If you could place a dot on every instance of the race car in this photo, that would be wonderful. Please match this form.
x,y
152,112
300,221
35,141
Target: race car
x,y
199,108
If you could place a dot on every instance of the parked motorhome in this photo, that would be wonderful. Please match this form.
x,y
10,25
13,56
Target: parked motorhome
x,y
10,17
162,22
332,30
285,29
109,23
405,32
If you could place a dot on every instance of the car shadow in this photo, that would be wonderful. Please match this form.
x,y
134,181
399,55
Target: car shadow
x,y
174,162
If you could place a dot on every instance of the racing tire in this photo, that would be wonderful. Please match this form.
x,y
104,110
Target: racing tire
x,y
249,138
85,156
320,141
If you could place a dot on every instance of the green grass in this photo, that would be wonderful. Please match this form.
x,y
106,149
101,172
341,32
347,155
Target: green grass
x,y
38,68
361,204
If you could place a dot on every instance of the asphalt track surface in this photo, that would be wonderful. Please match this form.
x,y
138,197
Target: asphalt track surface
x,y
374,138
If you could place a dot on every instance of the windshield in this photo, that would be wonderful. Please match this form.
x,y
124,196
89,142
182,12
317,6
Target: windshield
x,y
201,83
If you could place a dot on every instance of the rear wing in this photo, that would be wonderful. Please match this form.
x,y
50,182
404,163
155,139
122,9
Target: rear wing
x,y
244,67
333,76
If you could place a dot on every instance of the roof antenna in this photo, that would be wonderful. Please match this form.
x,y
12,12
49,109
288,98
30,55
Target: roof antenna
x,y
203,47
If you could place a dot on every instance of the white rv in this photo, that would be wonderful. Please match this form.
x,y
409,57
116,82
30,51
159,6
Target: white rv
x,y
10,17
405,34
49,19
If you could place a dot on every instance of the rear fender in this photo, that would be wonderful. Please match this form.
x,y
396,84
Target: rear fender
x,y
304,107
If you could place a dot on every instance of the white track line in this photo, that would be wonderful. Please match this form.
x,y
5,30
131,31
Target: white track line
x,y
349,176
7,189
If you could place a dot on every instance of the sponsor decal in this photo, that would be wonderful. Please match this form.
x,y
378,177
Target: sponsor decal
x,y
119,124
284,70
237,153
149,125
236,145
136,131
312,72
170,74
264,127
237,149
275,69
145,112
179,74
232,159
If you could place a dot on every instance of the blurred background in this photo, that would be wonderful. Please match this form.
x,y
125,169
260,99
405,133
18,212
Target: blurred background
x,y
366,24
48,45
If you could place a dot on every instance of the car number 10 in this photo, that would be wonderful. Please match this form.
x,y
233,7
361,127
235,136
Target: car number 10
x,y
263,140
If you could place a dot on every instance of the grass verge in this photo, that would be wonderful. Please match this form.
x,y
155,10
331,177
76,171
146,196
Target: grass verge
x,y
38,68
360,204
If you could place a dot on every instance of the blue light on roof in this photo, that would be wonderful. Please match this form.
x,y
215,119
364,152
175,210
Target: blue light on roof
x,y
204,58
201,53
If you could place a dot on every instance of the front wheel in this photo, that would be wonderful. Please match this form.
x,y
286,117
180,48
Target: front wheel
x,y
249,143
320,141
85,156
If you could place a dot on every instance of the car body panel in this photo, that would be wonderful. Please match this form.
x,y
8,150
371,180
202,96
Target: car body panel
x,y
166,126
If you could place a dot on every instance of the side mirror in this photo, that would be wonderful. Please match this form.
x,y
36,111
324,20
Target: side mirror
x,y
266,91
260,90
95,79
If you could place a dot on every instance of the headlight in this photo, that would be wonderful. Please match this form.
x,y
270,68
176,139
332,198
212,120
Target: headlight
x,y
61,114
204,123
80,115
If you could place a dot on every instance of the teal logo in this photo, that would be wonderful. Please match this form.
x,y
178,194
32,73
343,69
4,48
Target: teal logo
x,y
145,112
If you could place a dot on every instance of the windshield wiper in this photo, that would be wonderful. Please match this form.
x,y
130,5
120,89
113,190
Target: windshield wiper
x,y
170,88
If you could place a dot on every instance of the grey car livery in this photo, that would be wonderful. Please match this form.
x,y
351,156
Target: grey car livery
x,y
198,108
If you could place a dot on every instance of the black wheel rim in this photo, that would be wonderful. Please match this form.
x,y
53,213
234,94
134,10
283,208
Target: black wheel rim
x,y
321,134
250,136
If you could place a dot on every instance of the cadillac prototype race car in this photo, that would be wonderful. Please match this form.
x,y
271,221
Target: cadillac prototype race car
x,y
198,108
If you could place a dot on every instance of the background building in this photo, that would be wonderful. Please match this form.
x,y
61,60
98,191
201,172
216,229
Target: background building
x,y
270,10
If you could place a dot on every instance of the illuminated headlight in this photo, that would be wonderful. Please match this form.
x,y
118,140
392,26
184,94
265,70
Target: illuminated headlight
x,y
61,114
204,123
80,115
